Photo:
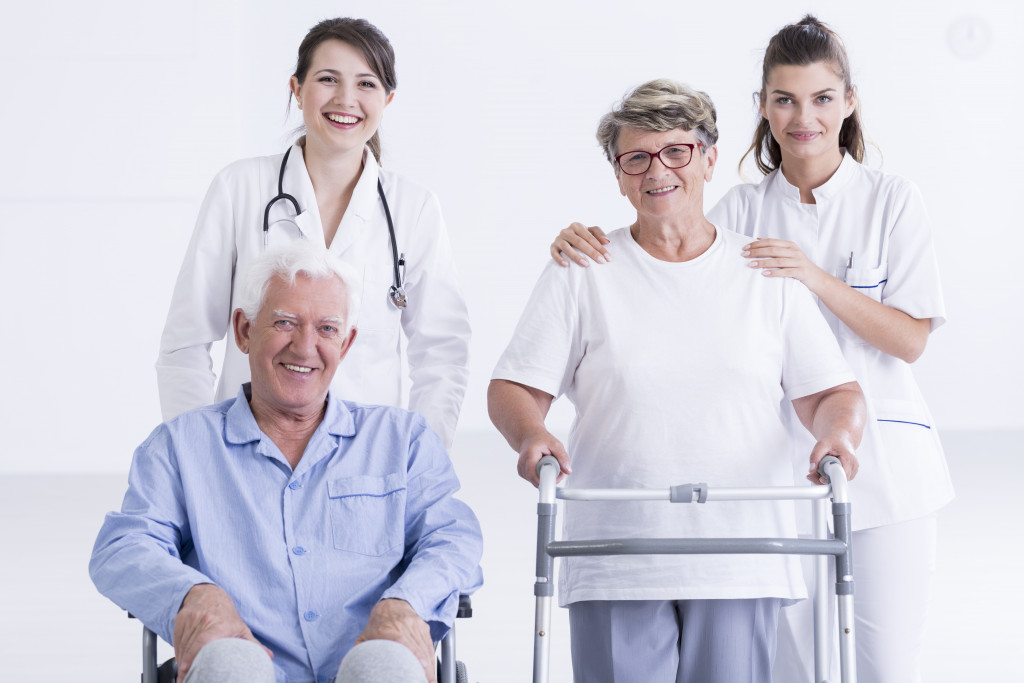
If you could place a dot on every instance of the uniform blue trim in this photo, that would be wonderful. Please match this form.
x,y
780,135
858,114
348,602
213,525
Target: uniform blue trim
x,y
870,286
905,422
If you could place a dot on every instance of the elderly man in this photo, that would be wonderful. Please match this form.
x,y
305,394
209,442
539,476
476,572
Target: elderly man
x,y
267,535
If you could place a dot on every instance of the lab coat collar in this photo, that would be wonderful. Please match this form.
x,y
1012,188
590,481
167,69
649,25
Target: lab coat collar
x,y
839,179
832,186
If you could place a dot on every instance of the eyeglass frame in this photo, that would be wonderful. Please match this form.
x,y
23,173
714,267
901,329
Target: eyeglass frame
x,y
657,154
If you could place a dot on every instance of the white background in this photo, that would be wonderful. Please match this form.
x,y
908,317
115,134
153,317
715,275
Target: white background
x,y
118,113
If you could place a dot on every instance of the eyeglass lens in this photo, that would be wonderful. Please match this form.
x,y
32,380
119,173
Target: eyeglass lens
x,y
673,156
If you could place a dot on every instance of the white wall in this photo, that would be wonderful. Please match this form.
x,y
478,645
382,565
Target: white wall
x,y
118,113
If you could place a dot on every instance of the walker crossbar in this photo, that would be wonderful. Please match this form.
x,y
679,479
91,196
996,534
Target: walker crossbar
x,y
696,546
839,548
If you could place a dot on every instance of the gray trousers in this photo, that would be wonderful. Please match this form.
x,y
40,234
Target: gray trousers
x,y
233,660
673,641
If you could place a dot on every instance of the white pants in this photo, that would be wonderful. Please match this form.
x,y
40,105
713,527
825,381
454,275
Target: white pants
x,y
893,567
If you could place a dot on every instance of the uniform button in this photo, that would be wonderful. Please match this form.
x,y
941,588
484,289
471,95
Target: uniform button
x,y
299,550
310,616
295,485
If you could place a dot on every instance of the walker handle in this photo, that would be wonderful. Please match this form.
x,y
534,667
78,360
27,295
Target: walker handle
x,y
825,461
548,460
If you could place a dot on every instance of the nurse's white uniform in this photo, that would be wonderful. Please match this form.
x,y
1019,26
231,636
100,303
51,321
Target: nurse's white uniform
x,y
878,220
229,234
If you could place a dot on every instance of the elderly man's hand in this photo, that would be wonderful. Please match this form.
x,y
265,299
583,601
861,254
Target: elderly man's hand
x,y
393,619
206,614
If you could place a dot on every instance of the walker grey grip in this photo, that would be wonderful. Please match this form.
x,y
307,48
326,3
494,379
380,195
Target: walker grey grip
x,y
548,460
826,460
684,493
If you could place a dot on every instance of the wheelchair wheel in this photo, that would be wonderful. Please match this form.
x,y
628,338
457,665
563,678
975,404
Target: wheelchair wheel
x,y
460,673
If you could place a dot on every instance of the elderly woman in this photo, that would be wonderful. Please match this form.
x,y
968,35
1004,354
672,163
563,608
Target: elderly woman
x,y
670,393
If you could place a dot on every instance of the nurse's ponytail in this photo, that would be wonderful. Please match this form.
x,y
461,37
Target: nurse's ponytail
x,y
806,42
365,37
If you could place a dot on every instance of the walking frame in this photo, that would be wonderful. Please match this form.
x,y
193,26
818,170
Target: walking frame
x,y
839,547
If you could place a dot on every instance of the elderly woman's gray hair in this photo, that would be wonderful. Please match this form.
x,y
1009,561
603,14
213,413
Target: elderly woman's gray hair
x,y
659,105
286,262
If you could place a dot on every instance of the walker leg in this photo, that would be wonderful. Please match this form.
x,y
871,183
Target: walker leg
x,y
844,594
822,641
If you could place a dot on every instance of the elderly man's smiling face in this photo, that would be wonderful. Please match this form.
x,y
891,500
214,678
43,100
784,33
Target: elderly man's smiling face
x,y
295,344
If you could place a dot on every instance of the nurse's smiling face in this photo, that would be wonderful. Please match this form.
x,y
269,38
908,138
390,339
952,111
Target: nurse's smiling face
x,y
341,98
295,344
805,107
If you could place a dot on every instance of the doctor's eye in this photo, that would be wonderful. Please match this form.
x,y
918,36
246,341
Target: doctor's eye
x,y
824,99
327,79
368,84
783,100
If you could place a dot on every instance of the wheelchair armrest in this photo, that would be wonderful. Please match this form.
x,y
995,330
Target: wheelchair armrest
x,y
465,607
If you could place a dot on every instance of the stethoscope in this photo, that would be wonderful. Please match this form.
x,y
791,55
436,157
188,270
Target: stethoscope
x,y
397,290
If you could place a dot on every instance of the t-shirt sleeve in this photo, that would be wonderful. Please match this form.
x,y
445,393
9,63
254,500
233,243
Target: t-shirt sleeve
x,y
812,360
913,284
545,347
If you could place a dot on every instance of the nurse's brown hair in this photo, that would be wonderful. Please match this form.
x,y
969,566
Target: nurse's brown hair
x,y
365,37
806,42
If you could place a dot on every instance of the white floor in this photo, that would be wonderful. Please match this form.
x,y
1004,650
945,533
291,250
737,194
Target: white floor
x,y
55,627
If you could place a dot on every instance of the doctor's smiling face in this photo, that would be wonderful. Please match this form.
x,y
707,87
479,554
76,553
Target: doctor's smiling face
x,y
341,97
295,344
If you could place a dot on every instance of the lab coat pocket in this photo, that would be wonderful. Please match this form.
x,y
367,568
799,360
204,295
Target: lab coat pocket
x,y
868,281
901,412
368,513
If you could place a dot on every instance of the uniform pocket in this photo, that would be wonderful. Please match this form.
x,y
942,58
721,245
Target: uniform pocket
x,y
367,513
868,281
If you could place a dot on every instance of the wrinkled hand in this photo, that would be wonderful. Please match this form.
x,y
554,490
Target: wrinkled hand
x,y
839,446
533,449
577,242
779,258
206,614
393,619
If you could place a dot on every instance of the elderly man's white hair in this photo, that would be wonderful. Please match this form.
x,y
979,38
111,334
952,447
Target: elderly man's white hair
x,y
286,262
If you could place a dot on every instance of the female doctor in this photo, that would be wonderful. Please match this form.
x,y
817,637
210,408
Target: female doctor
x,y
329,188
860,240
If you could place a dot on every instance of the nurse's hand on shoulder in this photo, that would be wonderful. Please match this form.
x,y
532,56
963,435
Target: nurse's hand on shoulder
x,y
779,258
578,242
838,445
533,448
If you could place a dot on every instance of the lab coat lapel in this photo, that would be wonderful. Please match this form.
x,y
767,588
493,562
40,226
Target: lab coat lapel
x,y
355,224
297,178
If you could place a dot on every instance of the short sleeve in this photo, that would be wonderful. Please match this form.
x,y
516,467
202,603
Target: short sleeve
x,y
913,284
812,360
545,348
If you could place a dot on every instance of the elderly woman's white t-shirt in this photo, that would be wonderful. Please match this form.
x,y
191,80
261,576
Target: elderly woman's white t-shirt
x,y
677,372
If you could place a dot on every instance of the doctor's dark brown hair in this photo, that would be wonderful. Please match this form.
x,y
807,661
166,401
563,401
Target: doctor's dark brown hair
x,y
806,42
365,37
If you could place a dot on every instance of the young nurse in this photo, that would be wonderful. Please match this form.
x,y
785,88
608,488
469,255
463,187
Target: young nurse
x,y
860,240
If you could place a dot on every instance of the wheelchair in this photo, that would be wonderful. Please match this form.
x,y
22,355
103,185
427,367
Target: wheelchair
x,y
449,669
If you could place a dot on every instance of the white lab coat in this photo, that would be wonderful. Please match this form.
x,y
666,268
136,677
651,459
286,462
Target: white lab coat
x,y
879,219
229,234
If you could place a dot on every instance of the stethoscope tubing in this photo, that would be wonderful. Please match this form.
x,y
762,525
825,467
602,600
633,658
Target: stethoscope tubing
x,y
396,292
